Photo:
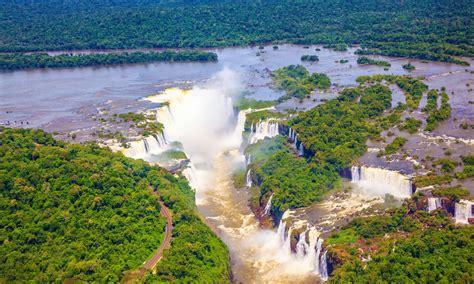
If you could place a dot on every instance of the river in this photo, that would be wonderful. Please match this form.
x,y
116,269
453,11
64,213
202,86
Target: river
x,y
204,121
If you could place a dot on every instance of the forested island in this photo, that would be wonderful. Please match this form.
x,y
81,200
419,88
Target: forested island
x,y
369,61
390,28
297,82
14,61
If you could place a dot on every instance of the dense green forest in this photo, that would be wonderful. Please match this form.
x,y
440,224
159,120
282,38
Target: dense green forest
x,y
83,213
428,29
13,61
334,134
292,180
297,82
406,245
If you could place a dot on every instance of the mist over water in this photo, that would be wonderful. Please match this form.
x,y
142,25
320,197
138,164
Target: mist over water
x,y
204,121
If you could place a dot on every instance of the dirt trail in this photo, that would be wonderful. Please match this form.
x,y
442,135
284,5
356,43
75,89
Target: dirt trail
x,y
165,212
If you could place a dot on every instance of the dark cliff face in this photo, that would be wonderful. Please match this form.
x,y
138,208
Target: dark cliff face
x,y
283,129
446,204
332,261
346,173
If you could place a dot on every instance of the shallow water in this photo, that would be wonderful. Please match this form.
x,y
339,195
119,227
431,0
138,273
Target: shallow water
x,y
67,99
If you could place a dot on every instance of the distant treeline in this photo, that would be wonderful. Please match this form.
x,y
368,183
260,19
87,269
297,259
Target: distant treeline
x,y
14,61
429,29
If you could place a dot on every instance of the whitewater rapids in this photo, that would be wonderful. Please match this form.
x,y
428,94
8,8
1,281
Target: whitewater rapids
x,y
204,121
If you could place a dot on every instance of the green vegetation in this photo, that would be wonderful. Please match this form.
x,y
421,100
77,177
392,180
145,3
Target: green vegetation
x,y
336,132
455,193
411,125
432,179
468,169
340,47
413,87
42,60
310,58
173,155
447,165
438,115
82,213
294,182
431,101
408,66
396,145
297,82
368,61
246,103
148,123
255,117
405,245
425,53
343,61
333,135
408,29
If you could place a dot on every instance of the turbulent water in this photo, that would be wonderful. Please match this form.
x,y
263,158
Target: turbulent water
x,y
433,203
463,211
378,182
262,130
204,121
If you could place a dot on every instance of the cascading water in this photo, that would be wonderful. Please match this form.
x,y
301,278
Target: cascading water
x,y
323,266
203,120
378,182
144,148
433,203
263,129
248,159
463,211
268,206
248,179
301,149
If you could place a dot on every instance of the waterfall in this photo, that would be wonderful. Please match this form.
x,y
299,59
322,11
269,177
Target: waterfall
x,y
281,231
309,248
262,130
203,120
463,211
268,207
248,182
301,149
320,262
355,173
323,266
319,247
248,159
144,148
147,147
433,203
302,247
378,182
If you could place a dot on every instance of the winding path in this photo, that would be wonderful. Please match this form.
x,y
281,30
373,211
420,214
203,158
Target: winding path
x,y
151,263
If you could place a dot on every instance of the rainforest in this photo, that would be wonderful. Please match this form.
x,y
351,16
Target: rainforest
x,y
212,141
